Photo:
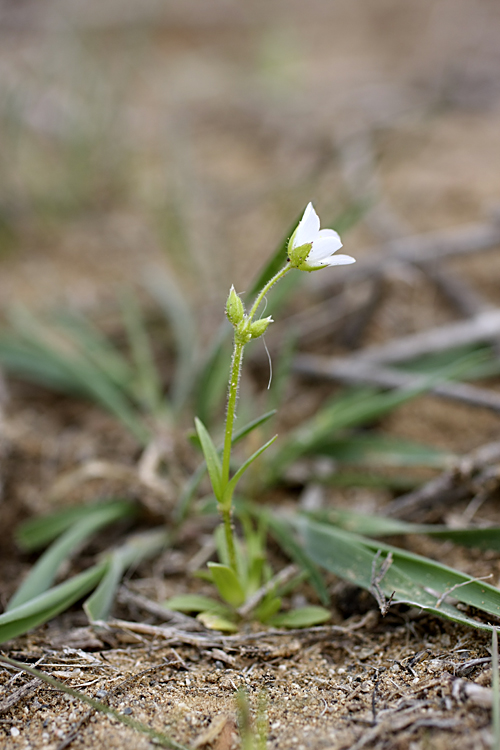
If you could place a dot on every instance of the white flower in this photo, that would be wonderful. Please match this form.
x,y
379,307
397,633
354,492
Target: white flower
x,y
311,248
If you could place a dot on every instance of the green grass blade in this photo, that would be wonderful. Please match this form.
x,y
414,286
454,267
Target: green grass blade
x,y
30,364
138,548
43,573
251,426
147,384
284,535
210,384
38,532
94,345
44,607
159,738
374,526
179,316
413,579
85,376
382,450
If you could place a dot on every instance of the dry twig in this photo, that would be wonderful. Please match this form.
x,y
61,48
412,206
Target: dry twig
x,y
357,370
469,475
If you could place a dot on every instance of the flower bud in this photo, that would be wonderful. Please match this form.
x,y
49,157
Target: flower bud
x,y
234,308
260,327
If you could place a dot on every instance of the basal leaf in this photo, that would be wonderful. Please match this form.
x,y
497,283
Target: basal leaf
x,y
304,617
43,573
227,584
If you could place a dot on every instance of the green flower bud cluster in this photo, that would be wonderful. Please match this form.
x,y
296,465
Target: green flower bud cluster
x,y
245,328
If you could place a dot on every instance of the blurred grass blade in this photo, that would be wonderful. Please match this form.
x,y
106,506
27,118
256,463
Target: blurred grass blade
x,y
147,380
275,262
356,407
382,450
49,604
210,384
43,573
180,318
374,526
411,579
138,548
38,532
303,617
251,426
86,378
96,346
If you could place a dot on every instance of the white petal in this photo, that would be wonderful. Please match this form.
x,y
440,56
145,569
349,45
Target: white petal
x,y
308,227
338,260
323,247
328,233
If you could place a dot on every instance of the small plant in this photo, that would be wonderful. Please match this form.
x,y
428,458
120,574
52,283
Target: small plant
x,y
241,569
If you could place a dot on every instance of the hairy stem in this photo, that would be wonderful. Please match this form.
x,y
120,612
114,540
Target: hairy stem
x,y
266,288
234,381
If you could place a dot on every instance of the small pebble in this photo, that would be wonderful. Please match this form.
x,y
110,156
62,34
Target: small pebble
x,y
14,732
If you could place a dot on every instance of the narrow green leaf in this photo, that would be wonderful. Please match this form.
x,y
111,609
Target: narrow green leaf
x,y
49,604
168,294
39,531
284,536
211,457
412,579
268,607
147,379
251,426
303,617
234,481
361,523
196,603
137,548
97,347
383,450
43,573
227,584
159,738
85,376
216,622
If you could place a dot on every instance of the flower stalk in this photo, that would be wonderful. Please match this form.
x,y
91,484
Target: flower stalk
x,y
309,249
